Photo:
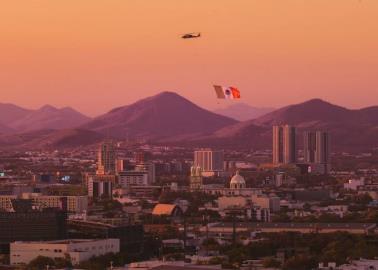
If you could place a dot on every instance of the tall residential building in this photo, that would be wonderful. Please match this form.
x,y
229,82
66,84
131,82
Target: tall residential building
x,y
210,161
106,163
316,149
284,145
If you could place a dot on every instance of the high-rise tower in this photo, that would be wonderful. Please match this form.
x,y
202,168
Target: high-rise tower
x,y
284,145
316,149
210,161
106,162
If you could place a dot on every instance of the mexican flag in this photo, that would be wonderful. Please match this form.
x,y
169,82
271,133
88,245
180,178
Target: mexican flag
x,y
228,92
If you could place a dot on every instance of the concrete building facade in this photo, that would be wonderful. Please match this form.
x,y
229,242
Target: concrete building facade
x,y
22,253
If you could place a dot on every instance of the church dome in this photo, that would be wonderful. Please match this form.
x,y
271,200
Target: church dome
x,y
237,181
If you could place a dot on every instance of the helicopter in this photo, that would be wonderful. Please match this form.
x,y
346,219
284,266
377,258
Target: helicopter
x,y
191,35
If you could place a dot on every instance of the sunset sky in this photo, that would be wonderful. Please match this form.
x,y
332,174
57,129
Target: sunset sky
x,y
95,55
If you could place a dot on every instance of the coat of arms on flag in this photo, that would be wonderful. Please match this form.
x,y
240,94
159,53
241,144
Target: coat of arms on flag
x,y
229,92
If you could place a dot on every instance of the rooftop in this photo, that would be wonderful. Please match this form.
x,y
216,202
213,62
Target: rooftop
x,y
298,225
163,209
63,242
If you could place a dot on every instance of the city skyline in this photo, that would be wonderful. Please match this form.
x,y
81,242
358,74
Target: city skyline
x,y
210,134
290,52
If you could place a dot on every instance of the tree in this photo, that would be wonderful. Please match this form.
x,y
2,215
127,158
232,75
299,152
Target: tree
x,y
211,244
170,232
237,254
281,217
271,262
40,263
63,262
300,262
97,263
4,259
217,260
363,198
110,205
338,250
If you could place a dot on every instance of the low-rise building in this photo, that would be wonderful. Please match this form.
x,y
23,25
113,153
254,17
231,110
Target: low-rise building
x,y
133,178
338,210
267,202
72,204
170,210
78,250
130,235
355,228
361,264
225,202
144,192
354,184
167,265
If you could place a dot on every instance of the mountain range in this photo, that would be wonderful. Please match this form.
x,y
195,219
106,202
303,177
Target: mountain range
x,y
16,119
170,118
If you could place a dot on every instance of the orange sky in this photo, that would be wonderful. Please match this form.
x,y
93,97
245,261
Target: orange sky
x,y
94,55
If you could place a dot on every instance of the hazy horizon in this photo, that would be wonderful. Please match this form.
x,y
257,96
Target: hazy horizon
x,y
94,55
224,105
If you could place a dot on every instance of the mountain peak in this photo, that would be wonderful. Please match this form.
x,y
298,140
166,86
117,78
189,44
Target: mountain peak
x,y
317,102
161,99
69,109
167,95
313,110
47,108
